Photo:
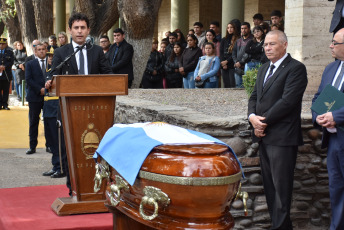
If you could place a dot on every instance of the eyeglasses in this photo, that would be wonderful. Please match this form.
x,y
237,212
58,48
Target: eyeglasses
x,y
336,43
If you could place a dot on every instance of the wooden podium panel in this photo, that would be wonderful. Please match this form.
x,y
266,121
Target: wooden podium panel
x,y
87,107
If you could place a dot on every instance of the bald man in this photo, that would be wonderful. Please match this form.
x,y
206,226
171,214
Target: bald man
x,y
333,137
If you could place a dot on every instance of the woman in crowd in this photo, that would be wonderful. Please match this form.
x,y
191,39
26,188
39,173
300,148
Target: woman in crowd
x,y
152,77
210,36
19,62
173,76
254,49
163,46
207,68
180,37
191,31
226,47
188,61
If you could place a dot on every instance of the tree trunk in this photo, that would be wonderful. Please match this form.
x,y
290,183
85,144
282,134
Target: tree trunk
x,y
11,22
138,18
25,13
43,18
102,15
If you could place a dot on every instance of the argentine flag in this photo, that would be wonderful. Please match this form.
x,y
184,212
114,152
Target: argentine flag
x,y
125,147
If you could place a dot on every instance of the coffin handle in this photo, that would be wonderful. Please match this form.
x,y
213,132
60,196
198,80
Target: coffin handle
x,y
102,171
116,190
244,197
153,197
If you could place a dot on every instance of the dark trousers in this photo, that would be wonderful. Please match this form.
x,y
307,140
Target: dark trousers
x,y
4,91
51,136
174,83
64,153
278,164
35,109
228,78
148,84
335,167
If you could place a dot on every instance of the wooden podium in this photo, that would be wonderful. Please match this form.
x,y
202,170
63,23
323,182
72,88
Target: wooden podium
x,y
87,108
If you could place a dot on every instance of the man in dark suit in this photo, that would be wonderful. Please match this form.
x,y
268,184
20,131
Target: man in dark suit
x,y
337,21
90,60
35,74
120,56
274,111
333,136
33,56
6,62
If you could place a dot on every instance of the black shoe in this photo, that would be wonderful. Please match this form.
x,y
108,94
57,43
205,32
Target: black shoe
x,y
58,175
49,173
48,150
6,108
30,151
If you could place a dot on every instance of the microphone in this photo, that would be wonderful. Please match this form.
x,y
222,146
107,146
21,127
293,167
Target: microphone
x,y
89,41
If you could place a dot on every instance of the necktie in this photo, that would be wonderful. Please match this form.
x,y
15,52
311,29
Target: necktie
x,y
81,62
270,74
43,68
339,78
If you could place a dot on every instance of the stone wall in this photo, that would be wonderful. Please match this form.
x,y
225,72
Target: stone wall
x,y
310,206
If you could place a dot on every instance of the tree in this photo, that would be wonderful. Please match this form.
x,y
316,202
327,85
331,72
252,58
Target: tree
x,y
138,19
9,18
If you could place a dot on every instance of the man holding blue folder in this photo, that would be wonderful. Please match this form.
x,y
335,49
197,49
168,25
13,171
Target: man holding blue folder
x,y
333,134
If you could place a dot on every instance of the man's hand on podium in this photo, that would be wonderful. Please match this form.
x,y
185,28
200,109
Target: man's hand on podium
x,y
48,84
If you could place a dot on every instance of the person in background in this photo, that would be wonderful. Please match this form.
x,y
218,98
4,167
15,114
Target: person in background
x,y
152,77
52,41
265,26
19,62
255,49
188,62
173,76
163,46
180,37
191,31
199,33
172,38
239,51
63,38
208,67
211,37
215,25
226,48
6,62
104,42
258,19
276,18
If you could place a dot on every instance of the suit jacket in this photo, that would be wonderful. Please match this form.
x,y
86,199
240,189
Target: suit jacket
x,y
96,61
338,115
337,16
279,101
122,63
7,60
35,81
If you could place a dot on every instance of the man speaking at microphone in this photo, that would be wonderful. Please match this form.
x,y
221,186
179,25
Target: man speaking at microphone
x,y
89,60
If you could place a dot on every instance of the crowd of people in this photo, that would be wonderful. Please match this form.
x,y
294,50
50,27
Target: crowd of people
x,y
192,62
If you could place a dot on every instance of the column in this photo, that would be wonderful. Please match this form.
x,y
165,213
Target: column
x,y
60,12
180,15
231,9
71,6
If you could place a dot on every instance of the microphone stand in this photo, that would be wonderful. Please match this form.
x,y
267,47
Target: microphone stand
x,y
65,61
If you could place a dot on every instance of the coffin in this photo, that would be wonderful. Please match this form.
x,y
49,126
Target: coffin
x,y
178,187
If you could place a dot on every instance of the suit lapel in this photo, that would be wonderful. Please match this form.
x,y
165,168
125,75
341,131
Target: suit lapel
x,y
332,73
277,72
73,64
89,59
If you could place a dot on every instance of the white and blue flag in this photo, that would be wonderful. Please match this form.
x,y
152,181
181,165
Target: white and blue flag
x,y
125,147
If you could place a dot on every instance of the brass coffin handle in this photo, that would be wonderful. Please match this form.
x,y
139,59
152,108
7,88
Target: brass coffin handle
x,y
116,190
102,171
152,197
244,197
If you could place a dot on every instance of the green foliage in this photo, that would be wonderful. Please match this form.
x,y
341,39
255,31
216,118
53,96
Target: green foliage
x,y
249,80
8,10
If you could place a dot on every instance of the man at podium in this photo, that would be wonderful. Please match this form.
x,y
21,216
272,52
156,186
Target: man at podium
x,y
90,59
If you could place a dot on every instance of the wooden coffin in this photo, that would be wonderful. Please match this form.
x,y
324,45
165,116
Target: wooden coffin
x,y
178,187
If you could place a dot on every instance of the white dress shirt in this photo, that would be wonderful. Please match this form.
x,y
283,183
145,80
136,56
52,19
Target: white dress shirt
x,y
84,51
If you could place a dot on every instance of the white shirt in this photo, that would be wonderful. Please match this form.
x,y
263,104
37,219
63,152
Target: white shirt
x,y
40,63
276,64
84,51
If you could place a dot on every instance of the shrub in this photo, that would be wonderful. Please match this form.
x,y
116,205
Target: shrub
x,y
249,80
